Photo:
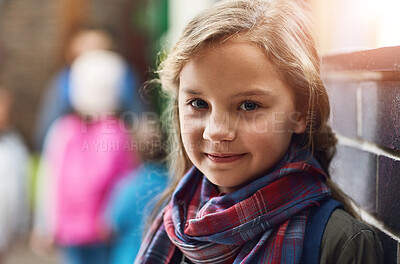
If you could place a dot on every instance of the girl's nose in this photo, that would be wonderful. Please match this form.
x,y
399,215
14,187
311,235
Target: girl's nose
x,y
219,128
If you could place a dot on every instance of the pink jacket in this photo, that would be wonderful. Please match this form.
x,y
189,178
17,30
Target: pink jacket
x,y
85,161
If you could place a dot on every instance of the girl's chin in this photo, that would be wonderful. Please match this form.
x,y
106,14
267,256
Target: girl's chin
x,y
225,187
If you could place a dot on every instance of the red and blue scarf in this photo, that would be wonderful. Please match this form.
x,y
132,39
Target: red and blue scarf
x,y
263,222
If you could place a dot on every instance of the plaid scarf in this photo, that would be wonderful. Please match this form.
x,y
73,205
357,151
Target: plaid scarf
x,y
263,222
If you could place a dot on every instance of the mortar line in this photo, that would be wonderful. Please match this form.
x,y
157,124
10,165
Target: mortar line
x,y
365,146
359,110
398,253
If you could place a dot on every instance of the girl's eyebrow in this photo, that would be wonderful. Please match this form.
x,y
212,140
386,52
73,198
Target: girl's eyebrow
x,y
191,91
257,92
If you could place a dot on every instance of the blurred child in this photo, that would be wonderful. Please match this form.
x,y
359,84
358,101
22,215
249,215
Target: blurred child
x,y
14,213
85,154
56,101
134,198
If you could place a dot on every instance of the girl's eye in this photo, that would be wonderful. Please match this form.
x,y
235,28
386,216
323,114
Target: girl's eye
x,y
248,106
198,103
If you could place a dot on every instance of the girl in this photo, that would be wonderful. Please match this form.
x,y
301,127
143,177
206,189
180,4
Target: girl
x,y
250,115
85,155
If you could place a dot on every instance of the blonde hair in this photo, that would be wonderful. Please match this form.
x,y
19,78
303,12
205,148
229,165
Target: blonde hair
x,y
283,29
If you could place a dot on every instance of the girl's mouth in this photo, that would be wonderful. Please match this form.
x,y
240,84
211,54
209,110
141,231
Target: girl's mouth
x,y
224,158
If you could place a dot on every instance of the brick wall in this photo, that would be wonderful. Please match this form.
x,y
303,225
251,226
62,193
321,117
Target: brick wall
x,y
31,33
28,34
364,89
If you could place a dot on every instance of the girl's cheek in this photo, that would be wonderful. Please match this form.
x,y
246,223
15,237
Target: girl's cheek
x,y
281,123
273,123
257,123
191,123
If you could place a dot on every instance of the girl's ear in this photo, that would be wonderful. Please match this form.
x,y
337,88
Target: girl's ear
x,y
299,123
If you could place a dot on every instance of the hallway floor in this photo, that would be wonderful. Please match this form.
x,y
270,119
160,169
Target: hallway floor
x,y
20,253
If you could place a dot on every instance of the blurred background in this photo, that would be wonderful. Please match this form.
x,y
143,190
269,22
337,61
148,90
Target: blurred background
x,y
35,45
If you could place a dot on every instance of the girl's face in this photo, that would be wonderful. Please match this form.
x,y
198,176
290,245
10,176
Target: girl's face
x,y
236,113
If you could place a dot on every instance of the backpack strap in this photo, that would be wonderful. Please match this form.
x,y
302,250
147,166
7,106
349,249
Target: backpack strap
x,y
317,220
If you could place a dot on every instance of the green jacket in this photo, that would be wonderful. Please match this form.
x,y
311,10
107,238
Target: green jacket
x,y
347,240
